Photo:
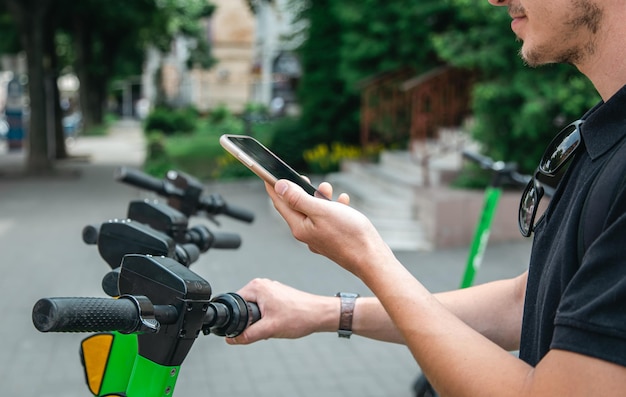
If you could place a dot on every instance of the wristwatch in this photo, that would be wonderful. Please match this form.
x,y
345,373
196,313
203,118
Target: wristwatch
x,y
348,300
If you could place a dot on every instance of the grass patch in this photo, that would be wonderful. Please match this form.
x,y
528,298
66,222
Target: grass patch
x,y
199,152
101,129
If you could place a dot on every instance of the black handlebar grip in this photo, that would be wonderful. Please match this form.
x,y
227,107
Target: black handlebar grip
x,y
231,315
141,180
186,254
226,240
239,213
520,179
215,204
110,282
483,161
91,234
254,312
85,315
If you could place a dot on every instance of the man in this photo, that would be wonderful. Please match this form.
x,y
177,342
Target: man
x,y
567,315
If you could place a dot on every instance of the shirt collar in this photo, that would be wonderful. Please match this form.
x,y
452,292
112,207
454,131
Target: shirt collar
x,y
605,125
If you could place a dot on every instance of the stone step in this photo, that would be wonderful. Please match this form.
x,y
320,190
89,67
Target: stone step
x,y
408,167
391,211
368,196
406,235
389,180
387,193
393,217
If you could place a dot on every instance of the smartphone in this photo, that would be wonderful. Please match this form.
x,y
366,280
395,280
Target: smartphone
x,y
263,162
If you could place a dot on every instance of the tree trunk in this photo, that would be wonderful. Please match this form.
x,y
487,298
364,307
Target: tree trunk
x,y
30,18
83,59
59,132
95,101
54,103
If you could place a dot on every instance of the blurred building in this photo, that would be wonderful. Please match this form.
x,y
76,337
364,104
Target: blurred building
x,y
231,32
10,66
276,68
253,43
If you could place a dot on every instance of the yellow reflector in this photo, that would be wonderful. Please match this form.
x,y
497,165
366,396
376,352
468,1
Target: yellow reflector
x,y
95,351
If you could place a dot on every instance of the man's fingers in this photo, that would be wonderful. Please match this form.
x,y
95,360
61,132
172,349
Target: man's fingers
x,y
344,198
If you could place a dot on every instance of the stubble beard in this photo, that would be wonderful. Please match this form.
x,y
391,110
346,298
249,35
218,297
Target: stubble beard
x,y
543,55
585,19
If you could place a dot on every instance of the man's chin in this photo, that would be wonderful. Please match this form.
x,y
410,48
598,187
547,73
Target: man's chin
x,y
531,57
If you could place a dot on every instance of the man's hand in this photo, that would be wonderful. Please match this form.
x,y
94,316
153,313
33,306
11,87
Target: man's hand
x,y
329,228
286,312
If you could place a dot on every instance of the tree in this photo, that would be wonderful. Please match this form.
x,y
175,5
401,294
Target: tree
x,y
104,33
348,41
30,18
53,106
380,36
327,106
354,39
517,110
110,40
10,43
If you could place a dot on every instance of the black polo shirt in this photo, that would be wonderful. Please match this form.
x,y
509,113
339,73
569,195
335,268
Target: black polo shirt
x,y
579,304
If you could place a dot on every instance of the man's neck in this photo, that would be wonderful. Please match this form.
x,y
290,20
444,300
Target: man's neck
x,y
606,67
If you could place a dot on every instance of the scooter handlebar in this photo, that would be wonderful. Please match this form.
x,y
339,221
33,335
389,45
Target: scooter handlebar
x,y
215,204
227,314
85,315
142,180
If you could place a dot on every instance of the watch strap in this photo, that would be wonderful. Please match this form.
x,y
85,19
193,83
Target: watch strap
x,y
348,301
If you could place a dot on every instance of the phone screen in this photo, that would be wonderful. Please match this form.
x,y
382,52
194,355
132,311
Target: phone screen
x,y
273,165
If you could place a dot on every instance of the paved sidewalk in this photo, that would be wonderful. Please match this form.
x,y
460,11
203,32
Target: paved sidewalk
x,y
43,256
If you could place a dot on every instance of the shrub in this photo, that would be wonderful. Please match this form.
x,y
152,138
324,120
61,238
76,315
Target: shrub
x,y
256,108
171,121
288,141
228,167
219,114
157,161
